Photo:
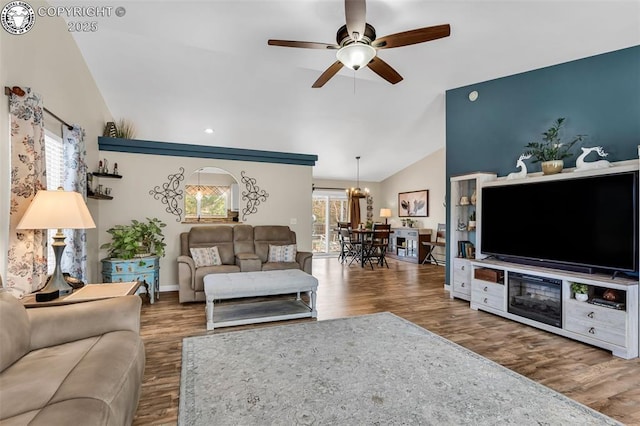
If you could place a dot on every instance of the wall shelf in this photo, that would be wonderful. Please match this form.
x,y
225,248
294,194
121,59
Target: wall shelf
x,y
107,175
100,197
90,190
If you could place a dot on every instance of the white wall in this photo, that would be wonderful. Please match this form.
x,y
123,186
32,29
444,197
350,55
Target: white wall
x,y
428,173
48,60
288,186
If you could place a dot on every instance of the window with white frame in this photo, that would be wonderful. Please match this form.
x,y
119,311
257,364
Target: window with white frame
x,y
206,201
54,153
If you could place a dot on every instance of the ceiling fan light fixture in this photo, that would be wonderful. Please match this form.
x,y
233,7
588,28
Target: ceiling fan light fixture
x,y
356,55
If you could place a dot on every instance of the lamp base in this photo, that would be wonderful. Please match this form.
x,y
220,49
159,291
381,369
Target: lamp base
x,y
57,281
42,296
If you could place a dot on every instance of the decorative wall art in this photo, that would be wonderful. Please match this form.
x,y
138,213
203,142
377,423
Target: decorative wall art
x,y
253,195
171,193
414,204
369,209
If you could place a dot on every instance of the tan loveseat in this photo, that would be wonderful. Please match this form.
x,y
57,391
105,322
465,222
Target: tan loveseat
x,y
242,248
79,364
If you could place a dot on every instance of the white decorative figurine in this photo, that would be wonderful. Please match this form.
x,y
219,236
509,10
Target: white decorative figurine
x,y
584,165
523,168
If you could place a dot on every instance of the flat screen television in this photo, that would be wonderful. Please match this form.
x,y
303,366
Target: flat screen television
x,y
585,224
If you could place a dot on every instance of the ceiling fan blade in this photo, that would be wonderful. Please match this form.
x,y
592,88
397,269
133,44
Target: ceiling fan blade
x,y
385,70
326,76
355,12
302,44
412,37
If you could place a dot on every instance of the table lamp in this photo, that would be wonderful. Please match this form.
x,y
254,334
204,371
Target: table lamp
x,y
386,213
57,210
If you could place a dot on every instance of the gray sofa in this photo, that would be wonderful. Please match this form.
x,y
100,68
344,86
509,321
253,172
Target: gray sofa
x,y
242,248
79,364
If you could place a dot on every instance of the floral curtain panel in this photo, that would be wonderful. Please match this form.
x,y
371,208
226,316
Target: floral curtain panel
x,y
27,254
74,257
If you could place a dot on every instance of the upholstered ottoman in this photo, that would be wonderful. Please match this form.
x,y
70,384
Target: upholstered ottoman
x,y
255,284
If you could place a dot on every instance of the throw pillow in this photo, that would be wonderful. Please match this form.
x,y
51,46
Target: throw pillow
x,y
206,256
282,253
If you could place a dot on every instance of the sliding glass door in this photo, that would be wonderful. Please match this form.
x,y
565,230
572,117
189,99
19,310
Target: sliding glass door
x,y
329,208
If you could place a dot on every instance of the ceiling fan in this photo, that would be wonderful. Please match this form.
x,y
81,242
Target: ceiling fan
x,y
357,44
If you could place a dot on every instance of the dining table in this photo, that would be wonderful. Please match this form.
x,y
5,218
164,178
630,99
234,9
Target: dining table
x,y
362,240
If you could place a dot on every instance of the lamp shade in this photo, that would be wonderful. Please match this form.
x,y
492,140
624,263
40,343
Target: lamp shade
x,y
356,55
385,213
57,209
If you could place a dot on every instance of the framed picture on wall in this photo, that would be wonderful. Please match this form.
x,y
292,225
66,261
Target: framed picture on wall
x,y
413,204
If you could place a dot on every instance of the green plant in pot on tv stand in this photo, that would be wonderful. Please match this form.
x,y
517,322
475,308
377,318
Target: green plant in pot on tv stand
x,y
551,152
580,291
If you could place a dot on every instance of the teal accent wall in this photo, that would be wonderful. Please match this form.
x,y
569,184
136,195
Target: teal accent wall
x,y
599,96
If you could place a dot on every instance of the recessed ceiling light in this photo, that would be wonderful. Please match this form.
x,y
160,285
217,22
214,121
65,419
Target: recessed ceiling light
x,y
473,96
208,131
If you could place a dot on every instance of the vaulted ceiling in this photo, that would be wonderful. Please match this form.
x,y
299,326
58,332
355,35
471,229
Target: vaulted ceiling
x,y
175,68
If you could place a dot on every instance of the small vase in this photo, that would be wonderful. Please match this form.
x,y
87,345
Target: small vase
x,y
581,297
552,167
474,197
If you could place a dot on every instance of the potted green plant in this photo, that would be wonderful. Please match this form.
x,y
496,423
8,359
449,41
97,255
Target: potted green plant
x,y
139,239
471,226
551,152
580,291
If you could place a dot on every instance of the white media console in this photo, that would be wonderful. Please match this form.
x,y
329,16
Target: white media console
x,y
612,329
485,282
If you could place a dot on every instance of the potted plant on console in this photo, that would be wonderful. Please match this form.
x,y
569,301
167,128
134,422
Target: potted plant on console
x,y
551,152
580,291
134,253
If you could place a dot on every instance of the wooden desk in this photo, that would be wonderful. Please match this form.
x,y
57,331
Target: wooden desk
x,y
86,294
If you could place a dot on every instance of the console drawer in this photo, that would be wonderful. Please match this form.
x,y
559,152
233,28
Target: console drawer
x,y
597,331
462,286
598,315
607,325
488,294
462,276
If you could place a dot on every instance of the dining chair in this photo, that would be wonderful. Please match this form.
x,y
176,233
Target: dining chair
x,y
347,244
377,248
431,245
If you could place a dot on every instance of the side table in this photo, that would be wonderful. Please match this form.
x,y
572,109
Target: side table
x,y
145,269
85,294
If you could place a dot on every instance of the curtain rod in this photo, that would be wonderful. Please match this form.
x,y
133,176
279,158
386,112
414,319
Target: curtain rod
x,y
18,91
333,189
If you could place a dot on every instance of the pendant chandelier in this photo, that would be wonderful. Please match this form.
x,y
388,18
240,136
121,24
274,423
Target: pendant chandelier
x,y
357,192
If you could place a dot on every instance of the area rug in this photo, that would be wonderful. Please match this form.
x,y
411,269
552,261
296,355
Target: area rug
x,y
370,370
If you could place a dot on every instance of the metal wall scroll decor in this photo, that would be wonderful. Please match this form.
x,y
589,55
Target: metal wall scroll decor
x,y
170,193
253,195
369,209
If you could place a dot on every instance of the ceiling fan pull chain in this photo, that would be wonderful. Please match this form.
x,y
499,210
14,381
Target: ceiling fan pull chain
x,y
354,82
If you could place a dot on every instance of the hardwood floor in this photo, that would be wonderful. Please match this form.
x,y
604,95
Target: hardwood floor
x,y
584,373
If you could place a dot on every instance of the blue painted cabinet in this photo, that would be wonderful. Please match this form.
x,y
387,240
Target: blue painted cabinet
x,y
145,269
